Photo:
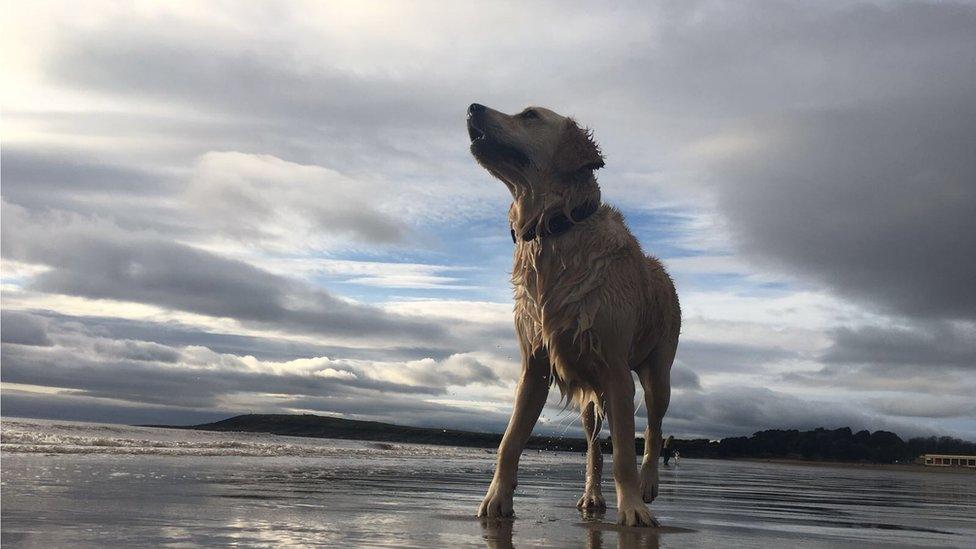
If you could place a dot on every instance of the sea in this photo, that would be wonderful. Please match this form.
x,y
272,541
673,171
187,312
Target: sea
x,y
68,484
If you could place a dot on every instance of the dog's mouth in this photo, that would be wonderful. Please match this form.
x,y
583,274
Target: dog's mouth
x,y
489,149
474,132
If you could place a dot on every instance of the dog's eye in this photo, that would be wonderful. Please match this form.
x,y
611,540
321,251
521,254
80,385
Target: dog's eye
x,y
529,113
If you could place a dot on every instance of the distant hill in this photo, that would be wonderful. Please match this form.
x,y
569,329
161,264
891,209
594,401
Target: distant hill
x,y
817,445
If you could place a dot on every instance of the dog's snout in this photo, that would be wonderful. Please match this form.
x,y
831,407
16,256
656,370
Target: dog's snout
x,y
476,121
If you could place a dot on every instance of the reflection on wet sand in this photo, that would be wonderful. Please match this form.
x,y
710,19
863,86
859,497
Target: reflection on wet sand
x,y
498,533
625,540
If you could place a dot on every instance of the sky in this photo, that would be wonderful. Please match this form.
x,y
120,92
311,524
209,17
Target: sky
x,y
214,208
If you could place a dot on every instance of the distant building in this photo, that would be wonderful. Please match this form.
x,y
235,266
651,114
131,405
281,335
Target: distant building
x,y
946,460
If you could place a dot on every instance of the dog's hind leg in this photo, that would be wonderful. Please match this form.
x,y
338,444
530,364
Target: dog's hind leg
x,y
655,377
592,492
619,395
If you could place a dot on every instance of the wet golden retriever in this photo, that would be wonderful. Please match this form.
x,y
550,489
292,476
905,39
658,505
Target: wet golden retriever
x,y
590,307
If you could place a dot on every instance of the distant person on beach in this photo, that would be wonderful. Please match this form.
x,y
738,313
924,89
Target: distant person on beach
x,y
667,449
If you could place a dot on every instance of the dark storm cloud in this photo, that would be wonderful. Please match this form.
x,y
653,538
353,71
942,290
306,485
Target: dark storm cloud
x,y
927,345
731,60
23,329
98,262
917,364
876,203
857,122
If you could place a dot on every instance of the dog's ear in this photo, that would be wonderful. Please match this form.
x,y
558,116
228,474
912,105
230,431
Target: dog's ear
x,y
577,150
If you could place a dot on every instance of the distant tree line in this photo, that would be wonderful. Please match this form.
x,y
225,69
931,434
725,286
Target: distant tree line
x,y
823,445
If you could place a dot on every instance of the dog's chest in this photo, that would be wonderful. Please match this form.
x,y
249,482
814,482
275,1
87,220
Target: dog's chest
x,y
555,291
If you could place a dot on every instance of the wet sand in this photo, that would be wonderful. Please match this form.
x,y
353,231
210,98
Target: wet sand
x,y
131,487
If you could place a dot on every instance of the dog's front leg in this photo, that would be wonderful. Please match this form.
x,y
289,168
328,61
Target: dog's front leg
x,y
530,397
619,393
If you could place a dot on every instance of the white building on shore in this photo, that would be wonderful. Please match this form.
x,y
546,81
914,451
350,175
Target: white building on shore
x,y
948,460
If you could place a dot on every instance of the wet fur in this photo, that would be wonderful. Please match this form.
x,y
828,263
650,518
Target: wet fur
x,y
588,288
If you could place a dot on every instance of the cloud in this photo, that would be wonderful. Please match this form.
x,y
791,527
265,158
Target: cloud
x,y
23,329
82,362
683,378
857,175
379,274
175,334
810,187
873,202
71,407
98,261
136,350
261,199
457,369
231,77
714,357
92,184
199,377
138,378
925,406
922,367
926,345
33,177
738,410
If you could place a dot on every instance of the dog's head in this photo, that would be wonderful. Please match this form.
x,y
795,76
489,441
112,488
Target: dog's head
x,y
533,147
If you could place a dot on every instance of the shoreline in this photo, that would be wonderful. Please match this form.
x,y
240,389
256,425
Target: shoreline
x,y
323,427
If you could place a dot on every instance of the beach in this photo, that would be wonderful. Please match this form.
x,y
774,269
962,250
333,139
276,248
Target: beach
x,y
82,484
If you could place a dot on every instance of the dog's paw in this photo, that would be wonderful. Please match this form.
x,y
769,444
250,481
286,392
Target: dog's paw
x,y
635,513
497,503
649,483
591,500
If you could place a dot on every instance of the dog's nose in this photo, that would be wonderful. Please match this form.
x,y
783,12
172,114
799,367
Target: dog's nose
x,y
475,108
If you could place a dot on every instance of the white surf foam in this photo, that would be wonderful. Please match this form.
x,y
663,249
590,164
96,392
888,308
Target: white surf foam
x,y
58,437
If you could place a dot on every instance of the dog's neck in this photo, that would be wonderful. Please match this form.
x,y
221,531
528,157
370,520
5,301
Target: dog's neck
x,y
563,203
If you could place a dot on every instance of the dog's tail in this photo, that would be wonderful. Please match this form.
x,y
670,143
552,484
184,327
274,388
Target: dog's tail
x,y
577,395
